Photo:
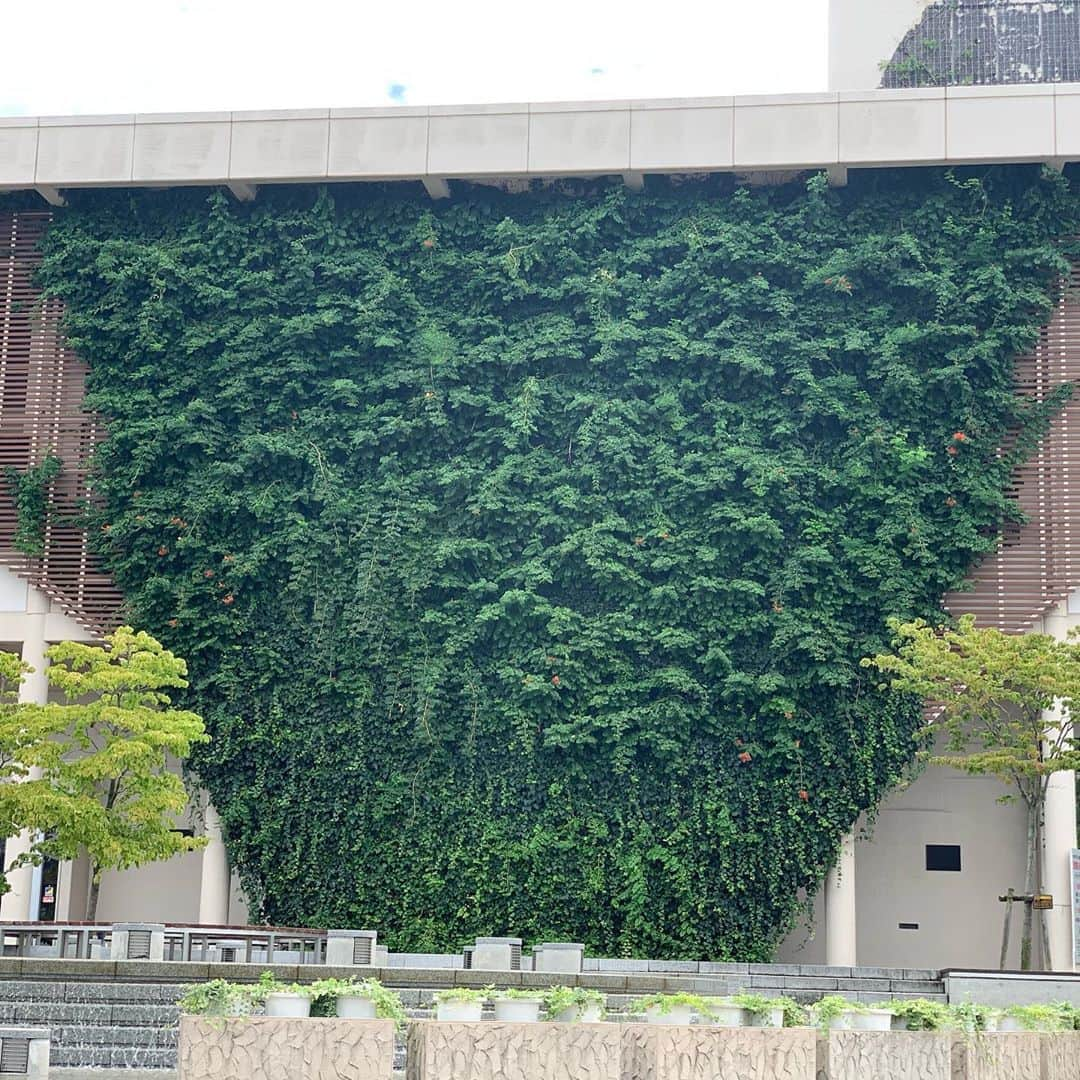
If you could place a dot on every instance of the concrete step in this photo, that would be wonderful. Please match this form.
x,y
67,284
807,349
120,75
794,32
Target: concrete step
x,y
128,1057
94,1035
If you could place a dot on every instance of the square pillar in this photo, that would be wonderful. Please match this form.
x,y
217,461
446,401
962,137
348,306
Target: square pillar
x,y
564,957
350,948
138,941
497,954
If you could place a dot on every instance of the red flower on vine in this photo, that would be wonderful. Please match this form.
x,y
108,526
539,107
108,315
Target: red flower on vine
x,y
804,795
950,501
208,573
959,436
744,757
163,551
950,450
554,680
228,599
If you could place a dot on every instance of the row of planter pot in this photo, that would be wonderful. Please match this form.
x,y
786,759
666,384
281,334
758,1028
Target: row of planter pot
x,y
369,999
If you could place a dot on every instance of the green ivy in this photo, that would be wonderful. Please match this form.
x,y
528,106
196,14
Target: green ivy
x,y
523,548
30,492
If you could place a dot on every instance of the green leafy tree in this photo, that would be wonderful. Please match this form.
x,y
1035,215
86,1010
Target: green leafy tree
x,y
991,693
22,731
105,785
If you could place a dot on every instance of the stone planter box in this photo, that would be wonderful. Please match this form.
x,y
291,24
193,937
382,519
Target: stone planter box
x,y
267,1048
998,1056
653,1052
885,1055
492,1050
1061,1056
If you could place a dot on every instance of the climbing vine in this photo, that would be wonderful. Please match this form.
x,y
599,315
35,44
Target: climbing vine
x,y
29,490
523,549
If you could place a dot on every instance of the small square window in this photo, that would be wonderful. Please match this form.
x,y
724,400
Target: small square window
x,y
943,857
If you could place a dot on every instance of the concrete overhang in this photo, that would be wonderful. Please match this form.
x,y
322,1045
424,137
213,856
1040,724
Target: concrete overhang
x,y
770,134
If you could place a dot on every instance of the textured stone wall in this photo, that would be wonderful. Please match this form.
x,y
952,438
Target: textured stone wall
x,y
266,1048
1007,1056
496,1051
655,1052
885,1055
1061,1056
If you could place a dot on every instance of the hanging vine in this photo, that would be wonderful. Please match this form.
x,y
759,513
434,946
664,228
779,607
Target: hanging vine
x,y
523,549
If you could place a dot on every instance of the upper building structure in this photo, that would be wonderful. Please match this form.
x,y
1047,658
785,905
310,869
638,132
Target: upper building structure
x,y
903,91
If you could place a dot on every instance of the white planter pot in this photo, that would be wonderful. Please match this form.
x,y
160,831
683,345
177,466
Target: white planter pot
x,y
468,1011
518,1010
872,1020
352,1007
292,1005
840,1022
678,1014
725,1015
1009,1023
233,1007
769,1018
590,1014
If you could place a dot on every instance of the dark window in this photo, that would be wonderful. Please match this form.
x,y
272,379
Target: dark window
x,y
908,925
943,857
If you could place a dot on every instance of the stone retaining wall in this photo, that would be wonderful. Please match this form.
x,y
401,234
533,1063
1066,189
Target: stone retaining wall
x,y
262,1048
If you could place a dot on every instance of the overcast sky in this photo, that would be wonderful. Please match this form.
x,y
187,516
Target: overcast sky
x,y
123,56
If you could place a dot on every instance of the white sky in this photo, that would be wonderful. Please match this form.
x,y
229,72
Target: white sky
x,y
123,56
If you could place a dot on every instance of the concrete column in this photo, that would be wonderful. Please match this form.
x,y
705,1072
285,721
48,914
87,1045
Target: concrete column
x,y
16,904
1059,833
214,888
840,907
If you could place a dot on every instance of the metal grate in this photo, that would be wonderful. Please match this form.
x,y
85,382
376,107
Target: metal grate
x,y
515,957
974,42
361,950
466,957
41,413
14,1056
138,945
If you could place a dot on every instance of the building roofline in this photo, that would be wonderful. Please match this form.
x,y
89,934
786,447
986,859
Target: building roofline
x,y
436,144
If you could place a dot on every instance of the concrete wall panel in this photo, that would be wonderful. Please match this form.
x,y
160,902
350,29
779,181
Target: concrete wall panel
x,y
579,141
800,130
478,144
886,126
373,146
79,150
681,138
280,148
183,151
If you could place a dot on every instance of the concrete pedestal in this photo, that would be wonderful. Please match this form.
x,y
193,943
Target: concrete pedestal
x,y
266,1048
660,1052
490,1050
885,1055
1005,1056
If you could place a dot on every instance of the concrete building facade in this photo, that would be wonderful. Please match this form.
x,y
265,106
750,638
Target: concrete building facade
x,y
920,887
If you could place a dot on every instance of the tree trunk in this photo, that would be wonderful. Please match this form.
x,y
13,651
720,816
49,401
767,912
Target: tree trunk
x,y
1044,929
1029,884
92,895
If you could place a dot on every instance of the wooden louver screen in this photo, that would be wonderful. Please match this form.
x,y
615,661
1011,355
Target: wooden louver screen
x,y
41,413
1037,564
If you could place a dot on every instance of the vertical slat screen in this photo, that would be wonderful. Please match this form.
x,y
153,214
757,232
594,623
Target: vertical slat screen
x,y
41,413
1037,564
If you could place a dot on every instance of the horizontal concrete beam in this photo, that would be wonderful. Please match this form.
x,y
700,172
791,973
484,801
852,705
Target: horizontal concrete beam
x,y
836,131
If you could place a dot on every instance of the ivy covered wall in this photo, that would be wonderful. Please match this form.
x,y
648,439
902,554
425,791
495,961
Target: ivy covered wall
x,y
523,548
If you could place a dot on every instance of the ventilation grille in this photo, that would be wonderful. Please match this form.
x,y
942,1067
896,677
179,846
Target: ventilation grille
x,y
515,957
466,955
15,1056
361,950
138,945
